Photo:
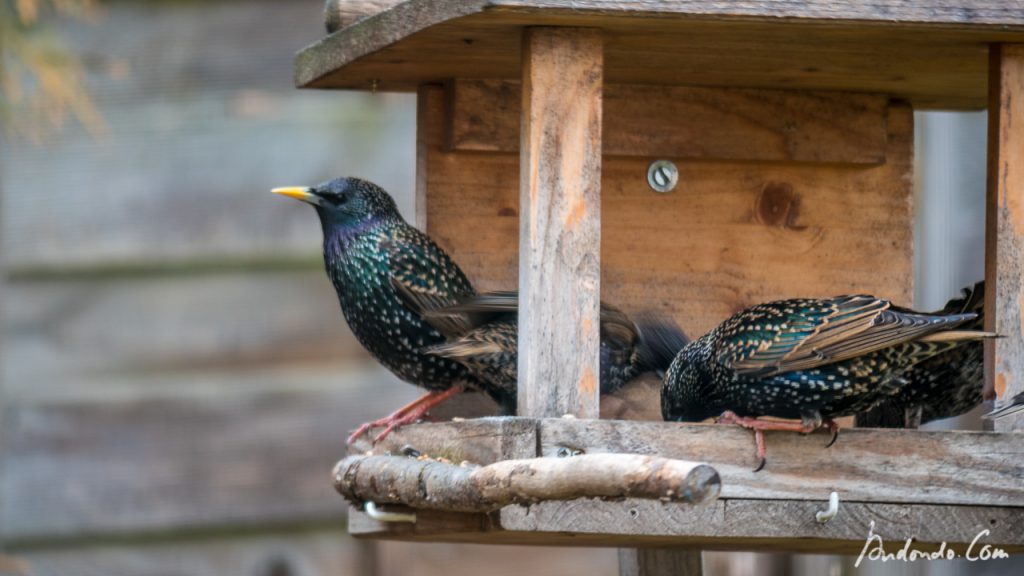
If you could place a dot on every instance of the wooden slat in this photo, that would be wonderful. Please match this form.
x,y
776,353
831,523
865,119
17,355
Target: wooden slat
x,y
693,123
403,559
1004,250
560,231
659,562
209,459
769,525
863,465
728,524
731,235
184,182
305,553
931,53
61,333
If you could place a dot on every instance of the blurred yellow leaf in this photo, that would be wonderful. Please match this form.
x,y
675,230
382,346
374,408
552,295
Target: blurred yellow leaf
x,y
42,82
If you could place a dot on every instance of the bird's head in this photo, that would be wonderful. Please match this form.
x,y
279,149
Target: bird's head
x,y
687,387
346,203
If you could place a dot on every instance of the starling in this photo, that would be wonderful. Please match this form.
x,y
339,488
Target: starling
x,y
812,359
943,386
482,333
376,261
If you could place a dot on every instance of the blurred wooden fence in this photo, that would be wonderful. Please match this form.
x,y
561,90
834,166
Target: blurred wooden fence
x,y
177,379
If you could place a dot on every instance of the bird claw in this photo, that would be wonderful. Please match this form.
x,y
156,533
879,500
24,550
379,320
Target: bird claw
x,y
834,428
760,466
408,414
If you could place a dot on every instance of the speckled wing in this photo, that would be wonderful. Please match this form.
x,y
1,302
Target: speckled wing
x,y
427,279
792,335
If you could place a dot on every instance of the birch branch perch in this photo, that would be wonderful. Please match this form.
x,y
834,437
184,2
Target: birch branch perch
x,y
437,485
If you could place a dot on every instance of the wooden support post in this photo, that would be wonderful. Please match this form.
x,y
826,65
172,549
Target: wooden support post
x,y
659,562
1004,234
560,222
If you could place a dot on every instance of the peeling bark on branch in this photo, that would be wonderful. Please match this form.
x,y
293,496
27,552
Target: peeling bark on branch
x,y
437,485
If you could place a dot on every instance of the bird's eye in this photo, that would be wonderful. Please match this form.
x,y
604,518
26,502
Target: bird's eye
x,y
341,199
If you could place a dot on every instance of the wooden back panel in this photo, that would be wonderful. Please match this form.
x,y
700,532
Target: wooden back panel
x,y
816,205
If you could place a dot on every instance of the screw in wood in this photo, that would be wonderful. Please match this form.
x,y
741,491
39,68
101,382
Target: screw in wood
x,y
662,176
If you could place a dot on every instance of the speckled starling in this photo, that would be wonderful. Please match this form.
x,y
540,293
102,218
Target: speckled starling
x,y
483,336
375,261
943,386
812,359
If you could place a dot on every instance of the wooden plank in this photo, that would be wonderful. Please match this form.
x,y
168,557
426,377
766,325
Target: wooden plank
x,y
184,182
728,524
693,123
405,559
769,525
863,465
62,333
560,231
206,459
930,53
659,562
731,235
310,553
1004,236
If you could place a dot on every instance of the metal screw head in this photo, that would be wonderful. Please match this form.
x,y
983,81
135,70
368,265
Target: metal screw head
x,y
662,176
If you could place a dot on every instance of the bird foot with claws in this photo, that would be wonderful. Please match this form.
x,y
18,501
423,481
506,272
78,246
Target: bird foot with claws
x,y
759,426
408,414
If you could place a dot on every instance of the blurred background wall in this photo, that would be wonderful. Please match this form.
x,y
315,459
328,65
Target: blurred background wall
x,y
176,376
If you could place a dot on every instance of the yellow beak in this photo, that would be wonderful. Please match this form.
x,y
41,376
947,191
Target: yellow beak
x,y
298,192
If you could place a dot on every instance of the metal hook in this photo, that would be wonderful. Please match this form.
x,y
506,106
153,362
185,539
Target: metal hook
x,y
829,513
377,514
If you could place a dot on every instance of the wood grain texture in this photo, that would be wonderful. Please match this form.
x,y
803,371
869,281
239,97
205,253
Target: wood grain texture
x,y
693,123
560,228
769,525
81,468
1004,236
930,53
731,235
659,562
863,465
727,524
301,553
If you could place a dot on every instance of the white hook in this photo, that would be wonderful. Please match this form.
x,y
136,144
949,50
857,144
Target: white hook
x,y
829,513
377,514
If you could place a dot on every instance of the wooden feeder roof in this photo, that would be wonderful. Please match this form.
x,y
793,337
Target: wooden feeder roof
x,y
932,53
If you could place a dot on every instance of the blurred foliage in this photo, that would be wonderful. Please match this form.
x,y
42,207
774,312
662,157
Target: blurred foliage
x,y
42,82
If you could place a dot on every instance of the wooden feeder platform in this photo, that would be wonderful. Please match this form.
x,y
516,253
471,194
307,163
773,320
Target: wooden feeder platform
x,y
933,487
792,129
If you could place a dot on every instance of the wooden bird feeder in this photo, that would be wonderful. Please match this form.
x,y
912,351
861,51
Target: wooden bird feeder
x,y
788,128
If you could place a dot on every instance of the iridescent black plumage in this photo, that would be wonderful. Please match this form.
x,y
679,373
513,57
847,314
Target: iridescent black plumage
x,y
946,385
483,336
375,260
805,358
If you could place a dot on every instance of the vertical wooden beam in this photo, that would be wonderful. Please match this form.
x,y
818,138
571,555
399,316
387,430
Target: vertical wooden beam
x,y
659,562
428,97
1004,227
560,222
